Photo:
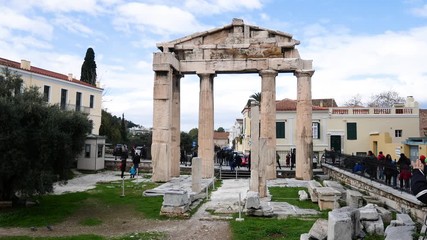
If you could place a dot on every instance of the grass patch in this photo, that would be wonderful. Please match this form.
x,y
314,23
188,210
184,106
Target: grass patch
x,y
133,236
290,195
91,222
52,209
56,208
270,228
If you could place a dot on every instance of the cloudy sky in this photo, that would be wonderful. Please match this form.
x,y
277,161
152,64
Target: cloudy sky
x,y
357,46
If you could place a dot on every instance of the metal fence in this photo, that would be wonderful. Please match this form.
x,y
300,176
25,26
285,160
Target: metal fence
x,y
373,169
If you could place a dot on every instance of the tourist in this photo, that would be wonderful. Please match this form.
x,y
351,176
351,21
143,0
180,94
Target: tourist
x,y
389,169
132,171
381,164
123,158
333,156
405,172
278,160
288,159
136,160
293,157
418,181
371,164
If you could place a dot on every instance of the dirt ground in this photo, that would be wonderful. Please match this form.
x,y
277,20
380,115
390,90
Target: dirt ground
x,y
116,222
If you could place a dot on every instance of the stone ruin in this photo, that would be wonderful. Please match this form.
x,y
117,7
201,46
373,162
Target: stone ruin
x,y
234,48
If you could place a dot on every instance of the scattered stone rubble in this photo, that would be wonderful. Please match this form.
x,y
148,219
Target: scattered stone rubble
x,y
356,219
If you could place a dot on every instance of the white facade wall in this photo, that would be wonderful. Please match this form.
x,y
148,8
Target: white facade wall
x,y
38,80
333,122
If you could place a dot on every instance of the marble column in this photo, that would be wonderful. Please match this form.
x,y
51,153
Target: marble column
x,y
268,120
176,125
161,150
304,134
206,124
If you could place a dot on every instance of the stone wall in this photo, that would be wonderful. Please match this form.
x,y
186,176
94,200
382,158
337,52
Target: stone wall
x,y
390,197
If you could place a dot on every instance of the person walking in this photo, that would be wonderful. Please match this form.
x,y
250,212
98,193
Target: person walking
x,y
278,160
293,157
132,172
123,158
136,160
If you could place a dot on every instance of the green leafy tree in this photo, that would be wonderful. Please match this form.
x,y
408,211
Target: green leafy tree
x,y
123,129
194,134
254,97
88,72
220,129
38,142
186,142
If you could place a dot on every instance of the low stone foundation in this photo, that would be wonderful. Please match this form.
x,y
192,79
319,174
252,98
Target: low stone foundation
x,y
393,198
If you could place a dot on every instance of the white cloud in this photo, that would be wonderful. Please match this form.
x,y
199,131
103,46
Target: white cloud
x,y
156,19
73,25
347,64
86,6
13,20
206,7
420,12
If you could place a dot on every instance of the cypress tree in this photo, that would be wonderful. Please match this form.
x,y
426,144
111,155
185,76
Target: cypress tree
x,y
88,73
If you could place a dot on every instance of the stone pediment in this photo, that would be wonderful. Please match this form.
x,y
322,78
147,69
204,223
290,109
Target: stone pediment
x,y
237,41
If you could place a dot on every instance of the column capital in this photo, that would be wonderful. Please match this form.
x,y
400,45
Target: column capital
x,y
206,75
267,73
303,73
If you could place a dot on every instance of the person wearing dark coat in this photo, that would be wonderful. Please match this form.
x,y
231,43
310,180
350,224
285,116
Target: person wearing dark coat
x,y
389,169
405,172
419,182
123,158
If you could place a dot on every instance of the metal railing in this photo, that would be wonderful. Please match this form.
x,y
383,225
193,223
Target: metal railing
x,y
373,169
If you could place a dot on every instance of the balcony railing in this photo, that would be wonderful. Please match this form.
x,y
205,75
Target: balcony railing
x,y
72,107
377,111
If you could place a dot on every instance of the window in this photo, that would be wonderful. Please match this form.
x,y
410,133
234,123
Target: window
x,y
46,93
351,131
280,129
100,148
63,98
78,101
87,150
316,130
398,133
92,100
91,124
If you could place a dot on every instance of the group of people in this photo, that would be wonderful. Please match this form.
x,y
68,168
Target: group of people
x,y
384,168
233,159
136,159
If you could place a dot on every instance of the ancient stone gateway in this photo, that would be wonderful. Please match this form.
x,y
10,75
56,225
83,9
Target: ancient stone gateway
x,y
234,48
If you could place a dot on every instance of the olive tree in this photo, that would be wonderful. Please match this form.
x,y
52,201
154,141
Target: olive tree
x,y
38,142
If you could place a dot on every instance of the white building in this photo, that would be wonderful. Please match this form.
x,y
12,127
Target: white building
x,y
71,95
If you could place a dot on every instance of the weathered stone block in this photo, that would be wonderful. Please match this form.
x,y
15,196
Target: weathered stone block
x,y
399,232
312,186
354,198
374,227
302,195
175,198
319,230
252,200
340,226
405,219
369,212
385,214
